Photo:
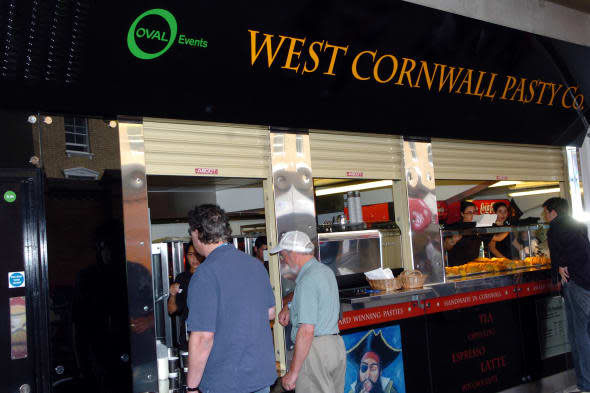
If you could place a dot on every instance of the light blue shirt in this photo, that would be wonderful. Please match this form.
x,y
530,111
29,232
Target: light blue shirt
x,y
316,301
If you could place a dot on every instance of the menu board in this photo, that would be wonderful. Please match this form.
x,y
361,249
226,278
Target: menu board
x,y
476,349
552,327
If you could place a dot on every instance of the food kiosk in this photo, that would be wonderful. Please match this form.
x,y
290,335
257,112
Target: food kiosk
x,y
275,95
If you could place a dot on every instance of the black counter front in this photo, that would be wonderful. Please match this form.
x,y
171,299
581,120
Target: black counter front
x,y
482,335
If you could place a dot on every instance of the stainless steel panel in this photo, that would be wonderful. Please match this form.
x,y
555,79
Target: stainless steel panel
x,y
575,195
177,258
161,285
424,228
138,252
292,184
177,250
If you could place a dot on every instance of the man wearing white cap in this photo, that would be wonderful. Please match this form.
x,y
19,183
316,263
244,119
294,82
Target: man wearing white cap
x,y
319,361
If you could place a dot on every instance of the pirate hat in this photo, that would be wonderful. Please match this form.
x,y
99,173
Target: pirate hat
x,y
373,342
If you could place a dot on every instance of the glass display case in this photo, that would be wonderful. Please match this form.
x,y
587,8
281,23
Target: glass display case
x,y
472,251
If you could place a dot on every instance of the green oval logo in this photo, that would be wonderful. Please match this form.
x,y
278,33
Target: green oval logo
x,y
9,196
132,44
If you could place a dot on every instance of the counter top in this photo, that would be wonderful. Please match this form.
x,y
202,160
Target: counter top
x,y
354,301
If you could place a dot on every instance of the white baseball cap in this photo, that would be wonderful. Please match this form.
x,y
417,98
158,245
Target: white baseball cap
x,y
294,241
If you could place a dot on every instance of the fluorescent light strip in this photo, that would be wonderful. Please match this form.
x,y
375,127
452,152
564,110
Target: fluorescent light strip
x,y
534,192
503,183
354,187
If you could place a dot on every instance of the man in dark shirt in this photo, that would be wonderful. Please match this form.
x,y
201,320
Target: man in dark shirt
x,y
570,258
230,303
260,247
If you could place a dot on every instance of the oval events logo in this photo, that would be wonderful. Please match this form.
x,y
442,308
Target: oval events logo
x,y
141,35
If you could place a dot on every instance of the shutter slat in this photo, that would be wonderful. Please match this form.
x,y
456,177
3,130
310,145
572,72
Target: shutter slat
x,y
468,160
179,148
335,154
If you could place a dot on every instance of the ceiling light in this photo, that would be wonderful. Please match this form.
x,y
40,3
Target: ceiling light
x,y
354,187
503,183
534,192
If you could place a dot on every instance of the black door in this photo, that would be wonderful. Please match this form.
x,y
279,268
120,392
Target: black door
x,y
23,268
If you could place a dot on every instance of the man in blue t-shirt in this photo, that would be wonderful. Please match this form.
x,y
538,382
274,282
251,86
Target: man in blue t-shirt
x,y
230,303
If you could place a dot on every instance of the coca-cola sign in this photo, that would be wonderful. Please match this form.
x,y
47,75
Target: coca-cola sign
x,y
486,206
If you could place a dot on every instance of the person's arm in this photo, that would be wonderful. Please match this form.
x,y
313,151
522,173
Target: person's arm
x,y
302,345
199,348
172,306
494,250
272,313
555,254
564,274
500,236
284,315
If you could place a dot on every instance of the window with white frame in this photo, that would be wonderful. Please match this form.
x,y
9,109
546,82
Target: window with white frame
x,y
76,134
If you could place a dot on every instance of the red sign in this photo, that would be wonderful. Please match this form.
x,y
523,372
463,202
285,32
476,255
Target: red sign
x,y
470,299
443,210
206,171
486,206
501,177
376,213
354,174
535,288
376,315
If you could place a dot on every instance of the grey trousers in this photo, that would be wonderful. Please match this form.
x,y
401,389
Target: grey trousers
x,y
324,369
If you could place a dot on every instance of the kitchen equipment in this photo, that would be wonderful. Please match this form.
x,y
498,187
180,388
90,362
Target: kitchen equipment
x,y
354,252
173,364
184,359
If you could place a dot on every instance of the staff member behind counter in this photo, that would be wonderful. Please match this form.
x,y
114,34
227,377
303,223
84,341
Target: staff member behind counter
x,y
500,245
462,249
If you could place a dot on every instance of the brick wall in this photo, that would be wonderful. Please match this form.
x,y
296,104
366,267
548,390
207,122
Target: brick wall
x,y
103,143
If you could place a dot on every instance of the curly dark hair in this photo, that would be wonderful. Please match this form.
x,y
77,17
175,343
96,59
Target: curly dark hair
x,y
211,222
498,205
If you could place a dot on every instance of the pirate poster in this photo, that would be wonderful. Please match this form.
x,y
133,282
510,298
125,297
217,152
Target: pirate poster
x,y
374,361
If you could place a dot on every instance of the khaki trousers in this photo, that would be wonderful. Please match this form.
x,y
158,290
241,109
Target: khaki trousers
x,y
324,369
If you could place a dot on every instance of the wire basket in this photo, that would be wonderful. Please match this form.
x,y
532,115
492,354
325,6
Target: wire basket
x,y
412,279
388,284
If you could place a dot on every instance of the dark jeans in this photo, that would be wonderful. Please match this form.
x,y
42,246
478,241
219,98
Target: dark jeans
x,y
577,310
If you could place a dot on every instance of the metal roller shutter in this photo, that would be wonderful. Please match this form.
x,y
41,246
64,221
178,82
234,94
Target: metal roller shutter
x,y
467,160
352,155
202,149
